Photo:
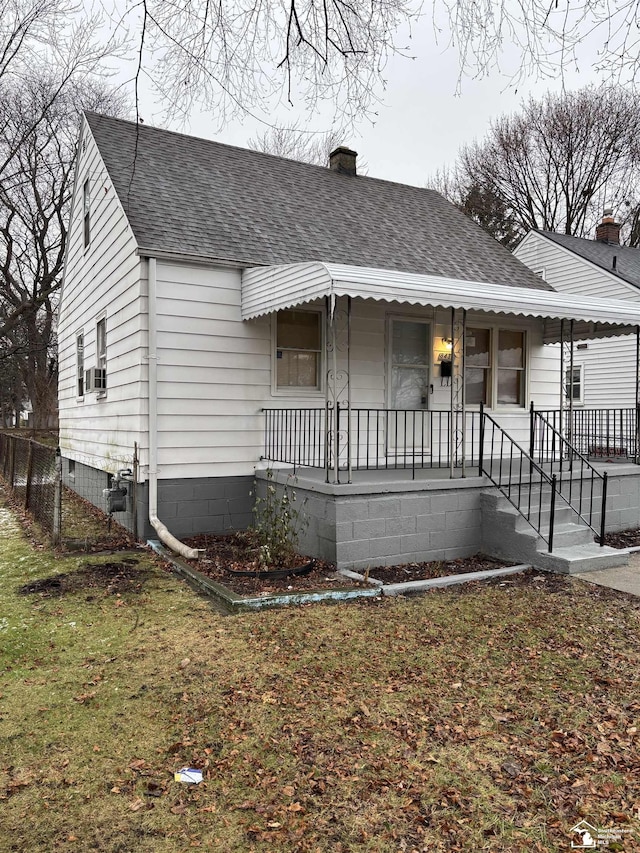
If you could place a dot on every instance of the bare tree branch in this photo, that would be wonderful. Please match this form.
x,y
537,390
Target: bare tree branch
x,y
555,166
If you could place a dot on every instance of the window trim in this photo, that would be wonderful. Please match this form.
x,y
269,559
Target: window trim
x,y
494,332
293,390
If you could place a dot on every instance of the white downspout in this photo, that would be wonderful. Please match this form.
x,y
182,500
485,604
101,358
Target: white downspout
x,y
165,536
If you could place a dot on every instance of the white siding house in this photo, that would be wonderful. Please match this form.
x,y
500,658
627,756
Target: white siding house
x,y
604,369
225,310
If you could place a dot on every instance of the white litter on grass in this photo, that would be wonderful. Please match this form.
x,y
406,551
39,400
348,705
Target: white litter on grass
x,y
189,775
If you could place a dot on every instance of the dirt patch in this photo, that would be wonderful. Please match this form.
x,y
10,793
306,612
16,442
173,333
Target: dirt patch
x,y
623,538
124,576
224,558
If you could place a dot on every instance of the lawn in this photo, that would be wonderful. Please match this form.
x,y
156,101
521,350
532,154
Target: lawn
x,y
485,717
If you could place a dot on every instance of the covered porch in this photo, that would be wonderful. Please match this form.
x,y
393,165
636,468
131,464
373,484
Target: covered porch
x,y
433,389
448,355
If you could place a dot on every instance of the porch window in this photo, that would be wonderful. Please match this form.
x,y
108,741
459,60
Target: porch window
x,y
298,349
495,367
478,366
510,368
573,387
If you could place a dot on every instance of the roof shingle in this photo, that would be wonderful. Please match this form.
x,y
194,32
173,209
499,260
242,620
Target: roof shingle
x,y
192,196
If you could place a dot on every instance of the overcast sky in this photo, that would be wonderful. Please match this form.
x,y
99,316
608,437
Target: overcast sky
x,y
422,122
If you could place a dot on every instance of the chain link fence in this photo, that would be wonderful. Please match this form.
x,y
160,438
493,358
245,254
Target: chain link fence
x,y
34,473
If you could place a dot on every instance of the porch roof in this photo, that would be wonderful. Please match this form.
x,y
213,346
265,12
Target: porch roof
x,y
274,288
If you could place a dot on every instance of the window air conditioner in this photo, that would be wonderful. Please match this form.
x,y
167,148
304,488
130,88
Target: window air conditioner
x,y
95,379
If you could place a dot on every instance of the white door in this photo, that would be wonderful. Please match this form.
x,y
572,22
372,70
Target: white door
x,y
409,386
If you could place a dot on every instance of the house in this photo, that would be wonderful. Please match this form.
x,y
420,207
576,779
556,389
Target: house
x,y
604,370
603,380
224,311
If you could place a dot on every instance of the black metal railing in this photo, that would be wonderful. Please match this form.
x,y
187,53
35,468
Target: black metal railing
x,y
579,484
297,436
598,433
525,484
369,439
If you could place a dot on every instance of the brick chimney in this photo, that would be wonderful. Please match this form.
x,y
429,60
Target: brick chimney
x,y
343,160
608,231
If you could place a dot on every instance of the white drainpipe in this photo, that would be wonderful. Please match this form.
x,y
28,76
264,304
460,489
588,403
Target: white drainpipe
x,y
165,536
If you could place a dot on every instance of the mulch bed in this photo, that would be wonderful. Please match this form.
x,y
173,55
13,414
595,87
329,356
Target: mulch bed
x,y
441,568
224,556
623,539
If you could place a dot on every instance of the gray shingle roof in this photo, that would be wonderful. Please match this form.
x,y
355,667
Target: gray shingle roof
x,y
192,196
602,255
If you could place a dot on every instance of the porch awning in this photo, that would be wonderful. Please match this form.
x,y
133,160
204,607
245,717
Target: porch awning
x,y
269,289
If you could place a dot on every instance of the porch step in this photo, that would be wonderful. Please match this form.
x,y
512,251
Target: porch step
x,y
582,558
506,534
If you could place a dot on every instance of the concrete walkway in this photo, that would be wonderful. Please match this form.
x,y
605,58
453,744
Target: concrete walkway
x,y
625,578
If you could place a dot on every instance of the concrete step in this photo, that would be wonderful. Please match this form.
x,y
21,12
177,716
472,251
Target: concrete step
x,y
541,517
508,536
582,558
568,534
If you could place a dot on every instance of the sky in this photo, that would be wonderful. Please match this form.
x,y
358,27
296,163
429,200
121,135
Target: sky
x,y
423,121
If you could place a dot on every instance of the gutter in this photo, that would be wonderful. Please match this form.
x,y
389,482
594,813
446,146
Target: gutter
x,y
164,534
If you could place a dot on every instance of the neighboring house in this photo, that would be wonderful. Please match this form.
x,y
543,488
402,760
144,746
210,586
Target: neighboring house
x,y
604,371
225,310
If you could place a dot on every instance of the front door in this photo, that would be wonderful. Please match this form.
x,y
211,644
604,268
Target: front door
x,y
409,386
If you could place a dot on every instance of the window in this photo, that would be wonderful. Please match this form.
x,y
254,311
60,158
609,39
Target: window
x,y
477,366
72,469
298,350
101,356
510,384
80,364
573,390
495,367
86,212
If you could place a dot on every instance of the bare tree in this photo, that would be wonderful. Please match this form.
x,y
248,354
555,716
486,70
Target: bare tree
x,y
295,143
546,37
554,166
236,57
34,204
52,39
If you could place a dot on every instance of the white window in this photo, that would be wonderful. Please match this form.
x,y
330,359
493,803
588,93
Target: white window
x,y
101,356
86,213
298,350
495,365
573,390
80,365
510,368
